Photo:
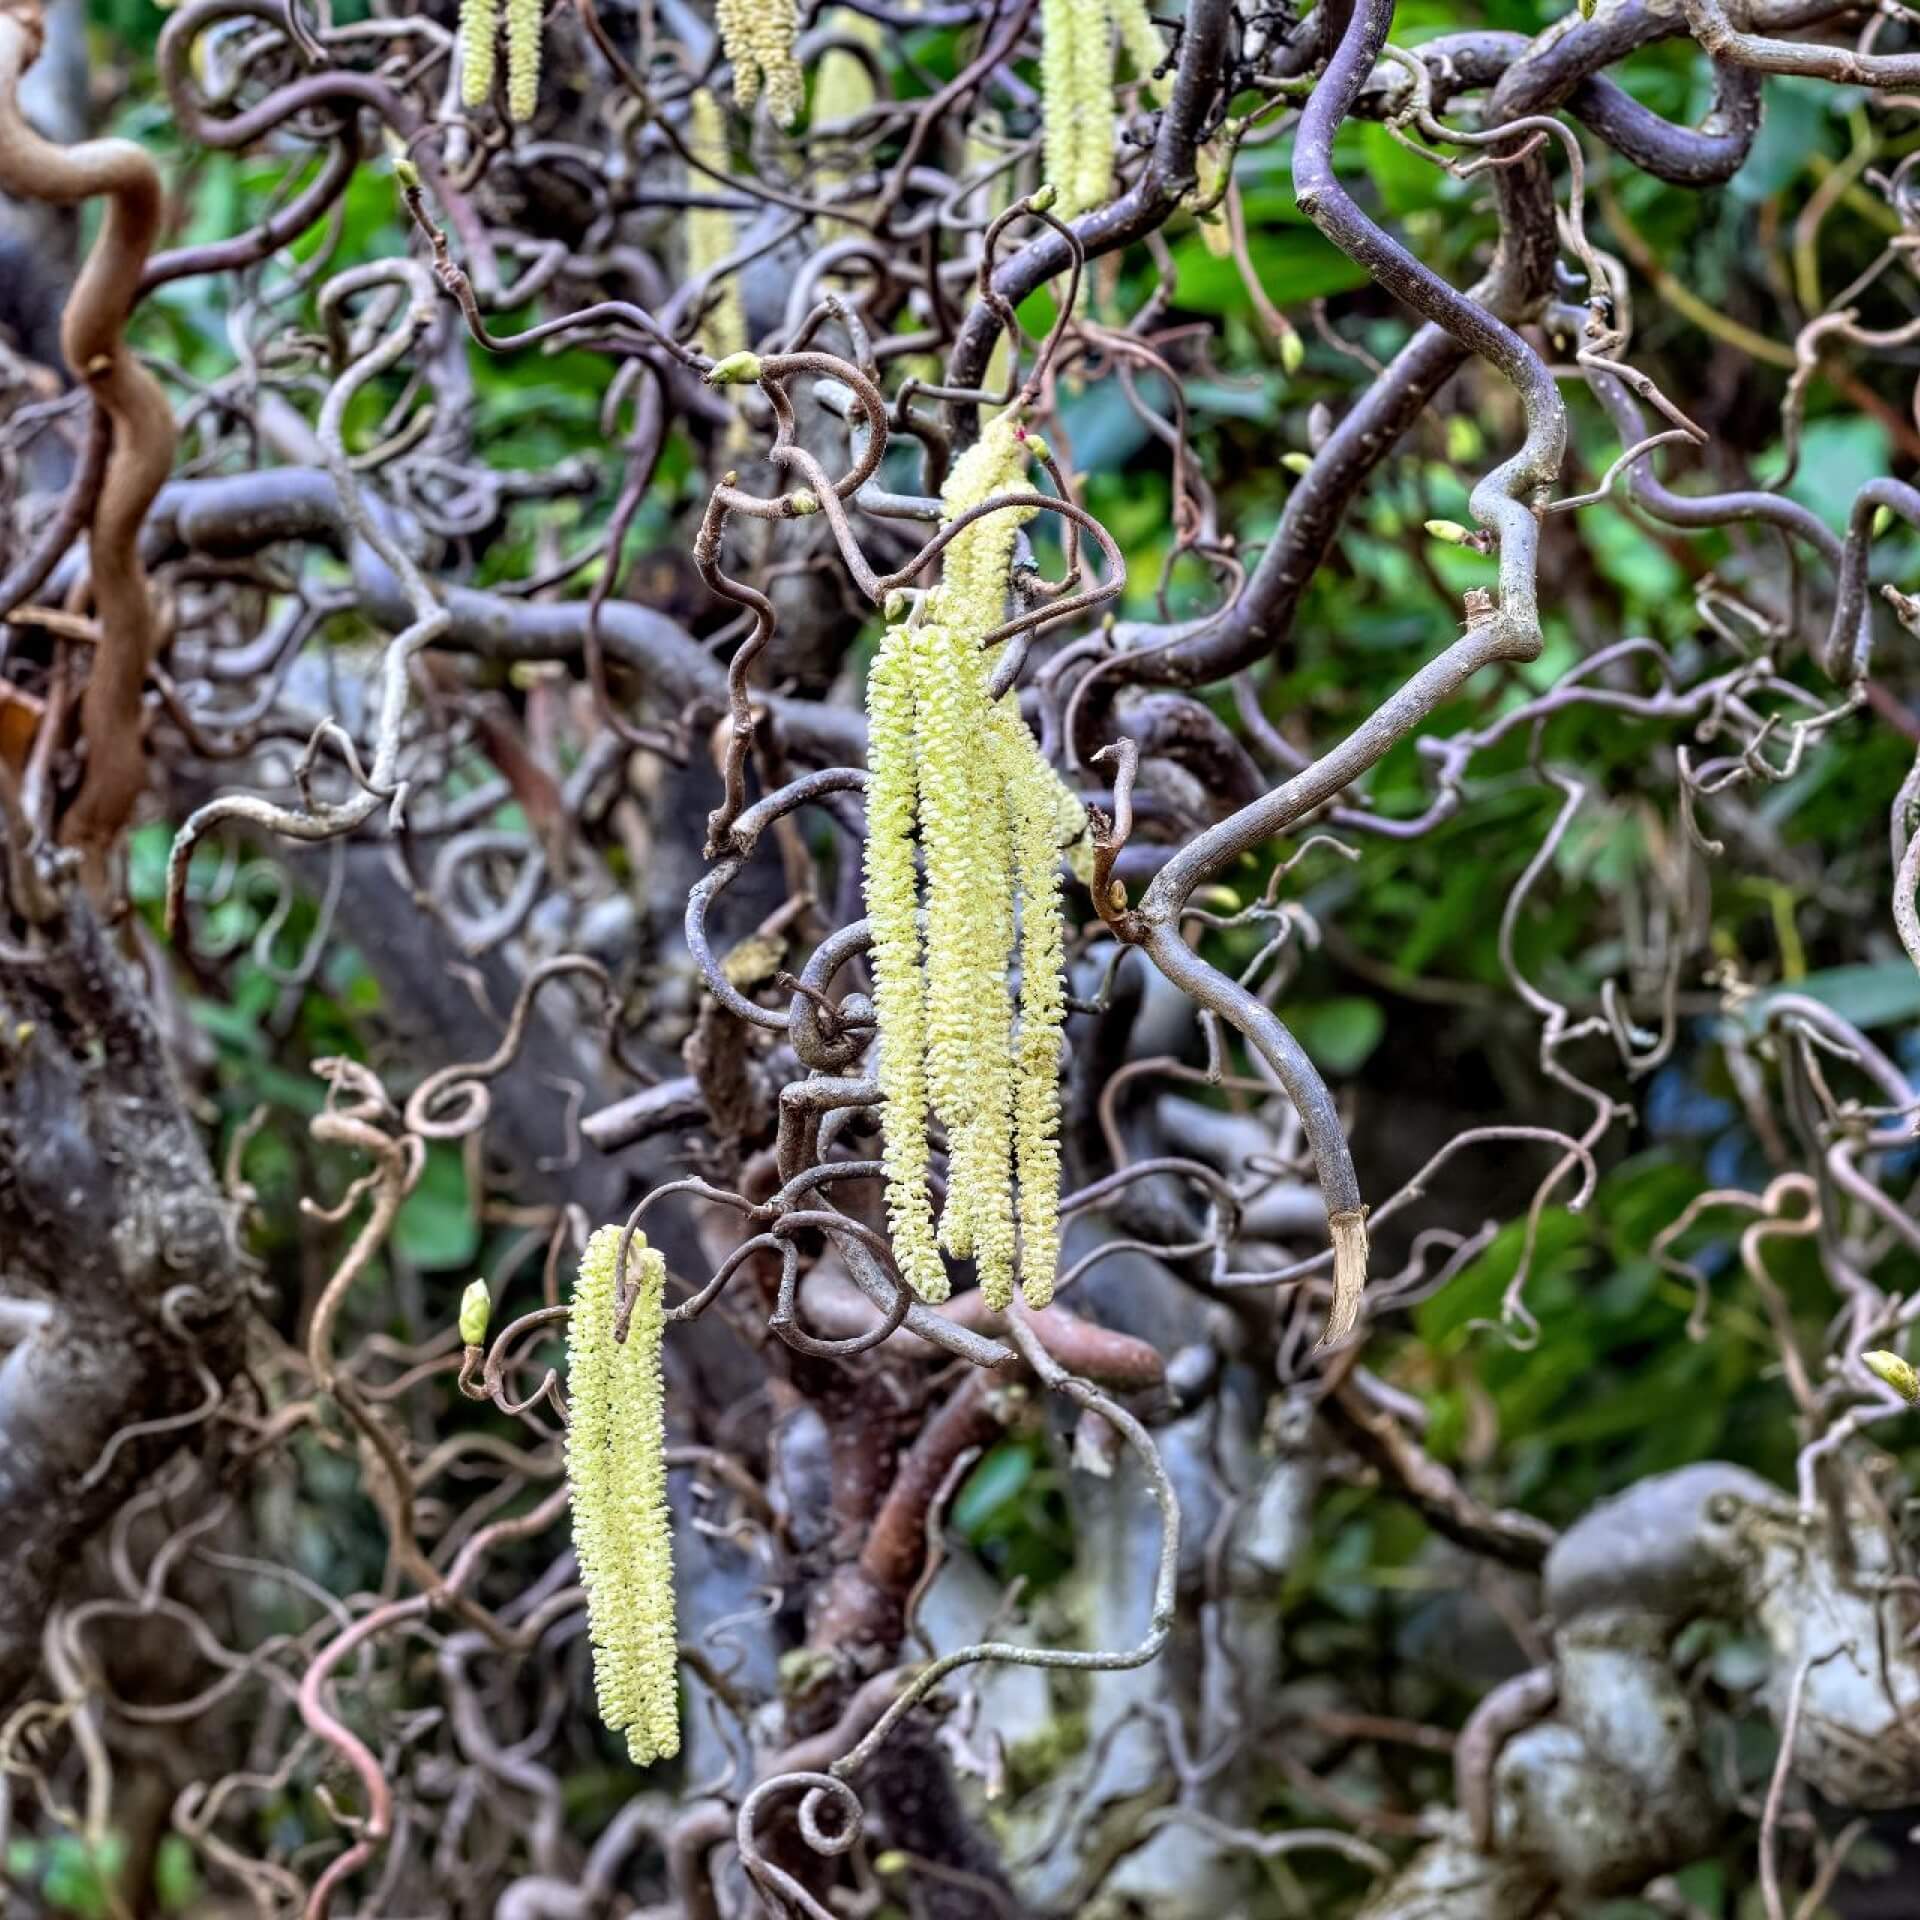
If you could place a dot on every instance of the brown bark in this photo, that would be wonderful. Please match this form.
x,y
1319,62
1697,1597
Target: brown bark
x,y
118,1261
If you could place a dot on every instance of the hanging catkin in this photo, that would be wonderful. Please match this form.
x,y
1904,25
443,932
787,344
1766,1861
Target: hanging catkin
x,y
617,1486
479,24
710,235
479,54
1076,89
758,38
523,57
958,781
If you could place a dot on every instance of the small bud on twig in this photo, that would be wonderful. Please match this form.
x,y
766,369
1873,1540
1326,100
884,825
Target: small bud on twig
x,y
476,1310
1895,1372
736,370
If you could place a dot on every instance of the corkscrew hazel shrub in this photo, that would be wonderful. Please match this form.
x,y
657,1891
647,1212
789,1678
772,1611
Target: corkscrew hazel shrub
x,y
617,1486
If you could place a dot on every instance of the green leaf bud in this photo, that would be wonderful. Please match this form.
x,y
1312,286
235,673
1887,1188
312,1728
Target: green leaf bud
x,y
476,1309
1895,1372
736,370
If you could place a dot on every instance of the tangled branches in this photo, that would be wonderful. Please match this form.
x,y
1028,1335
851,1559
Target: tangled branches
x,y
1214,660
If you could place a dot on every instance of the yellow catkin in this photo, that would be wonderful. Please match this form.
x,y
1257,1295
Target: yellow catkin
x,y
1060,125
1076,90
969,914
1070,829
710,236
992,818
524,27
478,24
778,29
1144,44
734,18
758,38
1033,803
617,1485
990,1147
969,945
1092,106
842,90
893,902
977,560
844,86
1089,106
959,933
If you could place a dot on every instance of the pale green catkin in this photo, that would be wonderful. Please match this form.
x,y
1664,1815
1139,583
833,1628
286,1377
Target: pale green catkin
x,y
758,39
524,27
900,998
1033,794
842,89
710,235
1144,45
617,1486
1060,126
991,818
1076,89
478,25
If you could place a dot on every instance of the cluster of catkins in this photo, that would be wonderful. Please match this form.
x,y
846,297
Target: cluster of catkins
x,y
479,31
710,231
1076,86
617,1485
758,36
957,779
